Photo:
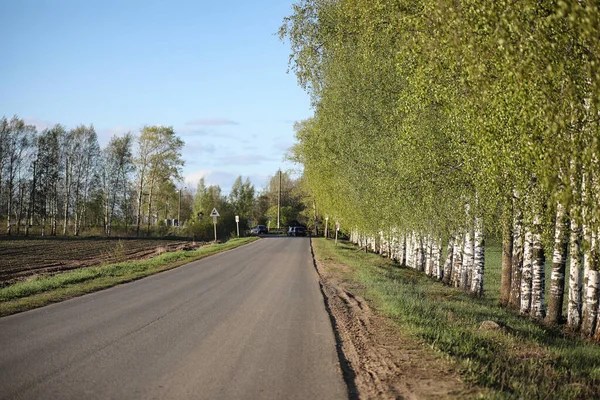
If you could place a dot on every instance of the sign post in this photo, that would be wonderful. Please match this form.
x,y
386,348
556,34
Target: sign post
x,y
269,224
237,223
337,228
215,215
326,220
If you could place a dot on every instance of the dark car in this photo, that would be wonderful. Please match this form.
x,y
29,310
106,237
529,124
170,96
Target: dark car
x,y
296,231
258,229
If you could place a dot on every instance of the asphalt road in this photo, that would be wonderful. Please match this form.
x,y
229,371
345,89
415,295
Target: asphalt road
x,y
249,323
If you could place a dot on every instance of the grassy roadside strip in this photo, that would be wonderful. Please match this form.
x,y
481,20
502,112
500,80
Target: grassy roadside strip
x,y
523,360
41,291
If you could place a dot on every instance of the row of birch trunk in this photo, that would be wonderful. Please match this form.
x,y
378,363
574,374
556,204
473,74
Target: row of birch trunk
x,y
462,266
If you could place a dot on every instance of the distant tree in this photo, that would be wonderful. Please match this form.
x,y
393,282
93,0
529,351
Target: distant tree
x,y
241,197
18,137
158,159
117,165
48,171
84,169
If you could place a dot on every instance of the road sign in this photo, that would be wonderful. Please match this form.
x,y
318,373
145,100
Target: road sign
x,y
337,226
214,213
270,219
237,218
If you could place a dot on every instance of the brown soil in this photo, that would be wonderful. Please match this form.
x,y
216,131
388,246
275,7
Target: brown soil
x,y
22,259
378,361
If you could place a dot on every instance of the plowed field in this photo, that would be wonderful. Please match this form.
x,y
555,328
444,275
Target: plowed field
x,y
24,258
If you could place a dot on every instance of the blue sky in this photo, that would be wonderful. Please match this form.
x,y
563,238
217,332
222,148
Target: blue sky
x,y
215,71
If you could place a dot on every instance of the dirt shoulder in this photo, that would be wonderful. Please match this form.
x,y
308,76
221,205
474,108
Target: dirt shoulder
x,y
377,360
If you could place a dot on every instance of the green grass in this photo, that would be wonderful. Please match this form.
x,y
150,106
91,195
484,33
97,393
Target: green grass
x,y
44,290
526,361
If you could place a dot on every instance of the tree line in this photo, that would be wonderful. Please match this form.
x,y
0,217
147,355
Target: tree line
x,y
438,123
60,182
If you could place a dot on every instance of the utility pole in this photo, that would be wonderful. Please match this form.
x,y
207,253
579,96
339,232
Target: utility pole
x,y
279,199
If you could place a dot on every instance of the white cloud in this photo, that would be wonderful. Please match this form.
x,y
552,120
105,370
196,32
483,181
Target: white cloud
x,y
40,124
212,122
192,149
211,177
191,131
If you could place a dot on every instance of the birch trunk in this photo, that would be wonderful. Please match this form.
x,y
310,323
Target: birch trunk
x,y
437,260
420,258
590,305
67,194
403,251
517,261
54,211
139,203
457,262
559,259
467,263
538,283
409,255
428,256
479,259
507,243
526,277
447,275
591,299
20,213
394,245
575,275
587,240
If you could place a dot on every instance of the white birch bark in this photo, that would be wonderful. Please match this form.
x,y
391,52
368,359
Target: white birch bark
x,y
526,277
403,249
557,277
414,249
394,245
590,304
447,275
457,261
587,240
479,259
575,276
428,258
407,250
517,257
467,262
410,250
538,282
420,255
437,263
591,299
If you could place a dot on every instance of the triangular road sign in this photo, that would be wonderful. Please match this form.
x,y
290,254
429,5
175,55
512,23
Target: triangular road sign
x,y
214,213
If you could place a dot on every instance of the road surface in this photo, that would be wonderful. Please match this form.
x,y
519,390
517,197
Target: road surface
x,y
249,323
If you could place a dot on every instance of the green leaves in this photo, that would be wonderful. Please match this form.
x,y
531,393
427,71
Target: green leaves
x,y
420,107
